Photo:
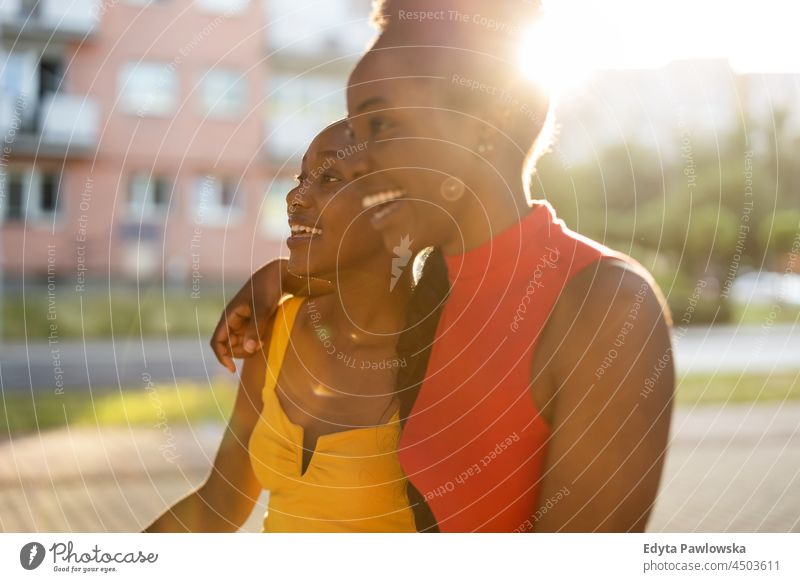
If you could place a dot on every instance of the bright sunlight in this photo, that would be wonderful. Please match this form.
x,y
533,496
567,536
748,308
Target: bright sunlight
x,y
577,37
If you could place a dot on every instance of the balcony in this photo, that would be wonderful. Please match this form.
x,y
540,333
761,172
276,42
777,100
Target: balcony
x,y
48,21
56,126
304,34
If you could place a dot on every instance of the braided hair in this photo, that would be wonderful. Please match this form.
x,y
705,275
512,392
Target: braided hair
x,y
414,347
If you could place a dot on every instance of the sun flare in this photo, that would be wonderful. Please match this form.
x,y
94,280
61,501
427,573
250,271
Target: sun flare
x,y
576,37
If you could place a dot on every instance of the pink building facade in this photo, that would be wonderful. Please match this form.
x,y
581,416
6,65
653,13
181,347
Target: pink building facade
x,y
147,140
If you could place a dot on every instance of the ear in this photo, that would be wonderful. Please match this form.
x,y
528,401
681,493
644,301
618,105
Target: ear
x,y
495,127
514,118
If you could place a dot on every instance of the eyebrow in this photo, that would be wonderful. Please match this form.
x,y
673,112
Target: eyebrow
x,y
370,102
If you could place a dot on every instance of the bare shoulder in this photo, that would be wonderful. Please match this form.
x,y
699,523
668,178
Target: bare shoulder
x,y
612,385
605,293
607,296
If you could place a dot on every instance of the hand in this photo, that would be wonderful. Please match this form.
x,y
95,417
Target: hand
x,y
243,322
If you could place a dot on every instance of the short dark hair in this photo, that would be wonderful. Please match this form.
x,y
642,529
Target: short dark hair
x,y
380,15
489,56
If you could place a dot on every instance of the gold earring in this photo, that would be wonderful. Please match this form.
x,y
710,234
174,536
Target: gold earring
x,y
452,189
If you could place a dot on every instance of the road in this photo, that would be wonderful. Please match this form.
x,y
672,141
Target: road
x,y
108,364
105,364
729,468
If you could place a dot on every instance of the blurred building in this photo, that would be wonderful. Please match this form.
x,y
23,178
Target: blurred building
x,y
311,46
158,138
703,100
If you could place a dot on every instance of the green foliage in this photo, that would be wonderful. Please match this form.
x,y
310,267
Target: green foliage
x,y
697,389
192,403
778,232
120,313
186,402
690,212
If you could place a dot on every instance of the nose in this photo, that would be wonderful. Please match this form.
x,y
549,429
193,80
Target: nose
x,y
297,198
360,161
361,165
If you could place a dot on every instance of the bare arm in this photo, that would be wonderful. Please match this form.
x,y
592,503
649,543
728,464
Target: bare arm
x,y
224,502
613,380
242,325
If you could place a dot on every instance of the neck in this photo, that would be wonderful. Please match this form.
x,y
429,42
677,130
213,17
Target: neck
x,y
362,307
499,204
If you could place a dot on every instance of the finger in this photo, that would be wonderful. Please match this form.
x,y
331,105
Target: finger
x,y
228,362
219,342
236,318
227,335
242,321
251,340
222,351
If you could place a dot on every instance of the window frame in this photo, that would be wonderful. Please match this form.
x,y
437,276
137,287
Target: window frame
x,y
130,105
145,207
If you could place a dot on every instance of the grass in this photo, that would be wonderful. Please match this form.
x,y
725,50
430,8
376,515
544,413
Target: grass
x,y
191,403
757,314
97,314
719,388
156,312
185,403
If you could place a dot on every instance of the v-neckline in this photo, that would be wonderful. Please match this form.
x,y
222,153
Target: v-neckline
x,y
275,363
300,432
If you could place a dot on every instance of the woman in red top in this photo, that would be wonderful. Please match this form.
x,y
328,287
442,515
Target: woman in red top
x,y
544,401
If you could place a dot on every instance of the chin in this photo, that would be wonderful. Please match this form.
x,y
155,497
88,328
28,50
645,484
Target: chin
x,y
300,268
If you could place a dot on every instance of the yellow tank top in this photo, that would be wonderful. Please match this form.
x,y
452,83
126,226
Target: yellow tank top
x,y
353,482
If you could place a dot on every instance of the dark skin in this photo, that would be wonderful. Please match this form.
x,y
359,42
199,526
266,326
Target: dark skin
x,y
328,388
608,441
609,430
317,390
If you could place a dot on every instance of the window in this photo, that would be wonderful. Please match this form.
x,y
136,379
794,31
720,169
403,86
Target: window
x,y
31,195
274,217
148,195
222,6
18,73
19,76
48,200
297,107
15,188
217,200
148,88
223,93
51,76
332,27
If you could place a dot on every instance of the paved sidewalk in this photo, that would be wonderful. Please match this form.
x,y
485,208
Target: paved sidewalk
x,y
729,469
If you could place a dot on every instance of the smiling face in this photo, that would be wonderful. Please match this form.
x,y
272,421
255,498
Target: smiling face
x,y
330,229
450,121
419,145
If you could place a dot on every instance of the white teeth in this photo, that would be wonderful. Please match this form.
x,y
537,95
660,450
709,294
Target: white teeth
x,y
300,229
380,198
382,212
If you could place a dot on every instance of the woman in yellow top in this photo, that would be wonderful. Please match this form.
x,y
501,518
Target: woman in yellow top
x,y
316,417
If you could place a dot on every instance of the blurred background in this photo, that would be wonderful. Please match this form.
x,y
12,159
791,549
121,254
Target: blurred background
x,y
147,147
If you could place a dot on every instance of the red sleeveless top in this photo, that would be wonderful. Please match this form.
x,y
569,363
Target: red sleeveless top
x,y
475,444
